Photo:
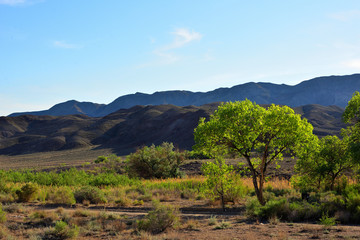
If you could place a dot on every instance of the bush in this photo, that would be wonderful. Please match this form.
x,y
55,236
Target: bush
x,y
284,209
62,231
197,155
327,221
88,193
159,219
101,159
28,192
2,215
3,187
62,195
155,162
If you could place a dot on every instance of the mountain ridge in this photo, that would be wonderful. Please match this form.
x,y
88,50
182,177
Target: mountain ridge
x,y
126,129
326,91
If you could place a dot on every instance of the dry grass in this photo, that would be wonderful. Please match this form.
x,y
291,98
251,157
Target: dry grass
x,y
274,183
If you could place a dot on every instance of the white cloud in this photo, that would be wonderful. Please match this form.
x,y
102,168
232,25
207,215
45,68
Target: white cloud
x,y
346,15
183,36
355,64
63,44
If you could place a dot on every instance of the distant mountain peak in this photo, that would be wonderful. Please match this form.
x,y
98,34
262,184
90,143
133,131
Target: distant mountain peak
x,y
330,90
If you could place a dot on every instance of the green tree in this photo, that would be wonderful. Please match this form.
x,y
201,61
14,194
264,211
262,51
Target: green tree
x,y
220,178
351,116
327,161
260,135
352,110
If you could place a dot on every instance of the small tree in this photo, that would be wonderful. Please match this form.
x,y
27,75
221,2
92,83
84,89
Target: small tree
x,y
351,116
258,134
220,178
324,164
155,162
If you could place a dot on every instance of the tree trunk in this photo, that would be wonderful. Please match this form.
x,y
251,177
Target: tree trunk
x,y
258,190
261,189
223,202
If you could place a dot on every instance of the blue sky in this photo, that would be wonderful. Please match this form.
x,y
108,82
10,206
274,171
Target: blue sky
x,y
52,51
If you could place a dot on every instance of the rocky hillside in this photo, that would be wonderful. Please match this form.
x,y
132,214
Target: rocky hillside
x,y
326,91
127,129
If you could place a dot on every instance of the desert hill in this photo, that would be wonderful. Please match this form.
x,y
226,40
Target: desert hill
x,y
326,91
126,129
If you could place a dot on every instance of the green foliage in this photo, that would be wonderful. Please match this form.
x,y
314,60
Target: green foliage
x,y
159,219
352,133
3,187
323,164
222,182
101,159
61,195
28,192
197,155
272,208
71,177
155,162
352,110
62,230
284,209
2,215
327,221
91,194
260,135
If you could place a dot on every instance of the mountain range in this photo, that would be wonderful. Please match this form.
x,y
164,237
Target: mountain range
x,y
326,91
127,129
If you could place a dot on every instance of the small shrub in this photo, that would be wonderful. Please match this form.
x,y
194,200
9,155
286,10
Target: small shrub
x,y
159,219
212,221
253,207
7,197
28,192
81,213
45,218
192,224
302,211
14,208
281,208
146,197
327,221
2,215
223,225
63,231
101,159
274,220
4,188
272,208
138,202
155,162
123,201
62,195
89,193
